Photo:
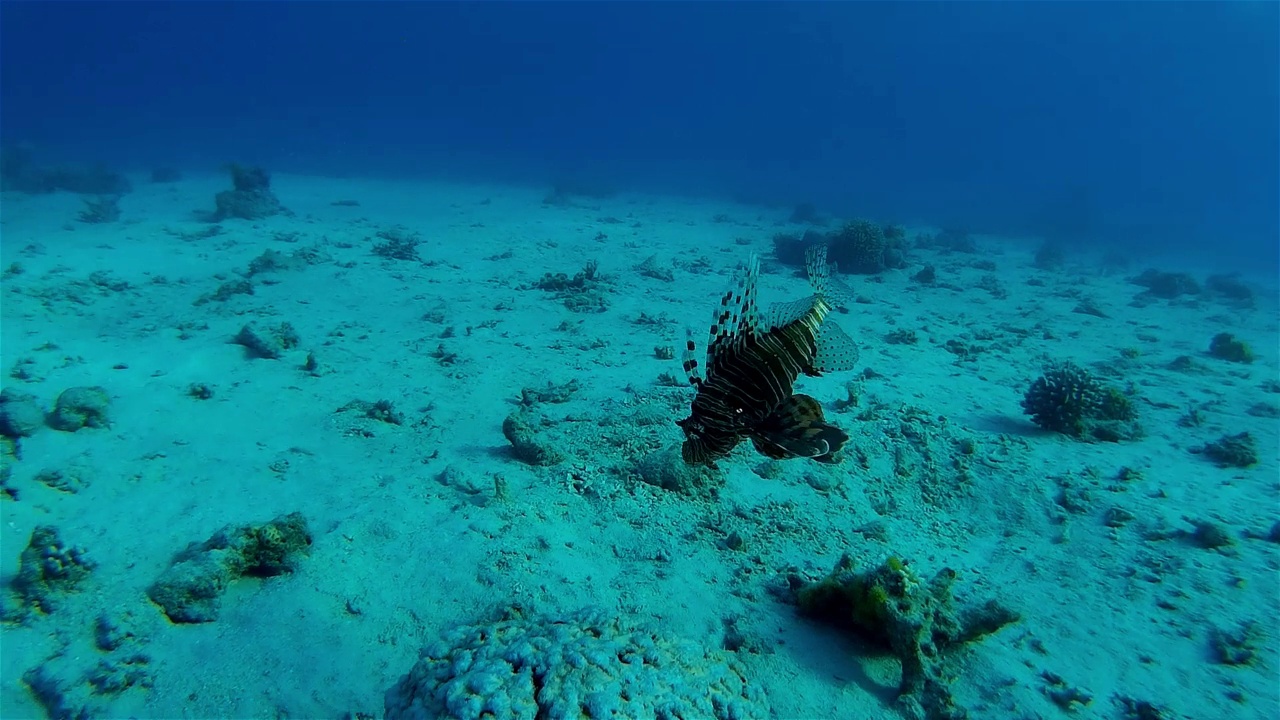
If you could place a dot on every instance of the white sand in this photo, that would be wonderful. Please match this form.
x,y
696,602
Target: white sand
x,y
399,556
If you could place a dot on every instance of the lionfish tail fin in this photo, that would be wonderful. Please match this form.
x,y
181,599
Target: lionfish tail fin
x,y
797,428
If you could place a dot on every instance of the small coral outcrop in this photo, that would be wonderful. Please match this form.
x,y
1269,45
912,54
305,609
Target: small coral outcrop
x,y
100,209
191,589
1070,400
865,248
586,292
1166,285
859,246
579,665
1230,289
19,172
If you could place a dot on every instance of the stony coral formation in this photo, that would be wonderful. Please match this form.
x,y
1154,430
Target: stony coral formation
x,y
866,248
859,247
1070,400
20,414
583,665
81,407
48,568
527,442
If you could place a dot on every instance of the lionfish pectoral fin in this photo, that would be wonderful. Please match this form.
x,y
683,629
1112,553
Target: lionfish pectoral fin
x,y
839,294
797,428
837,351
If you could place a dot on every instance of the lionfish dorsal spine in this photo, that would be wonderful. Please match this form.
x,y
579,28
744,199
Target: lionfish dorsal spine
x,y
690,360
749,317
738,316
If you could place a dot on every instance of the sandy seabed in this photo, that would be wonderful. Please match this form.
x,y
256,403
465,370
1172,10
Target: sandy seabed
x,y
1144,573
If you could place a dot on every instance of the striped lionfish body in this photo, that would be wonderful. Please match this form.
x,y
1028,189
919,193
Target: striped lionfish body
x,y
745,390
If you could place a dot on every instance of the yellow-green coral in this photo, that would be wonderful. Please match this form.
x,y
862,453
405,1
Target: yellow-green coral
x,y
917,621
861,601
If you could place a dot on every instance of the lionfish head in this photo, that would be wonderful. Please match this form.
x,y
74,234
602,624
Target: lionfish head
x,y
694,448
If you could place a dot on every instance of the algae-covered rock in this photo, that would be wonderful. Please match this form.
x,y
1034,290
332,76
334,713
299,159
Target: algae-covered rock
x,y
114,676
1225,346
1239,450
270,342
190,590
918,621
1166,285
1238,645
526,444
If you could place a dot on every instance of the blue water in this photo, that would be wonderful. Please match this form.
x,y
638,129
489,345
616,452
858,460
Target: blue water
x,y
1076,144
1140,123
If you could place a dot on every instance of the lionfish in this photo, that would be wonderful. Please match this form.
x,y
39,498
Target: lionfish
x,y
745,389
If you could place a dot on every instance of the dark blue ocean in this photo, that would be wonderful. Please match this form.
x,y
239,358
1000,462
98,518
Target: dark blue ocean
x,y
1151,124
345,370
